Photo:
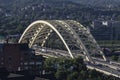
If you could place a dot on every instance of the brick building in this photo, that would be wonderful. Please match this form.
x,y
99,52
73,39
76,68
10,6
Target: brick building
x,y
18,57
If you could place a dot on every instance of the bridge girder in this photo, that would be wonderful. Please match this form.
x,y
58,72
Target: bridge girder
x,y
70,32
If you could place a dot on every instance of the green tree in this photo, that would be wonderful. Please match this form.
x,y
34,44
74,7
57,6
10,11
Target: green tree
x,y
73,76
115,58
79,64
61,74
50,65
94,73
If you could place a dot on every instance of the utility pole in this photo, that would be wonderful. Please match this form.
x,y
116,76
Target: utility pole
x,y
112,36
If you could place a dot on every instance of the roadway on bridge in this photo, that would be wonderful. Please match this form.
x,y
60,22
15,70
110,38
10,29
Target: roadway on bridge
x,y
100,65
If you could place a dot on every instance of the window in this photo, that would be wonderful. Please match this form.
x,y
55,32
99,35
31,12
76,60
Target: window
x,y
25,63
31,63
10,58
26,68
38,63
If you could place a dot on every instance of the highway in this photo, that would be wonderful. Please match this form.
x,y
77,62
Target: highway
x,y
106,67
72,34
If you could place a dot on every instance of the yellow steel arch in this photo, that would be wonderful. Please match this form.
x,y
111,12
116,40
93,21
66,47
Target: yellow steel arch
x,y
52,27
73,28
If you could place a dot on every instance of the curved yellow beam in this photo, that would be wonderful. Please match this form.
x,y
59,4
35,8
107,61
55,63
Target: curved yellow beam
x,y
53,28
81,26
79,40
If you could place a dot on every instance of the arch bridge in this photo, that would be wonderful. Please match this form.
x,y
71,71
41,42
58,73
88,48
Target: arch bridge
x,y
70,32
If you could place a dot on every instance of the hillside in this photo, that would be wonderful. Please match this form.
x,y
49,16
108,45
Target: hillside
x,y
94,3
16,15
99,3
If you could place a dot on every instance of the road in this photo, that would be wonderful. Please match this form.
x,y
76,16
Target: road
x,y
106,67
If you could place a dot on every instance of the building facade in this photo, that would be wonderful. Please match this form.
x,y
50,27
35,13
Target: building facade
x,y
18,57
106,30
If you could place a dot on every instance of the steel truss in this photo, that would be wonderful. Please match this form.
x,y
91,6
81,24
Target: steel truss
x,y
70,32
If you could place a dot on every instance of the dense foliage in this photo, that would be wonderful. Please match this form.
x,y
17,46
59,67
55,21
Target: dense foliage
x,y
16,15
72,69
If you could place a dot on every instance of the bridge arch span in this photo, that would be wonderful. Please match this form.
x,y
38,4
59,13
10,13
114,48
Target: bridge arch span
x,y
52,27
70,33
